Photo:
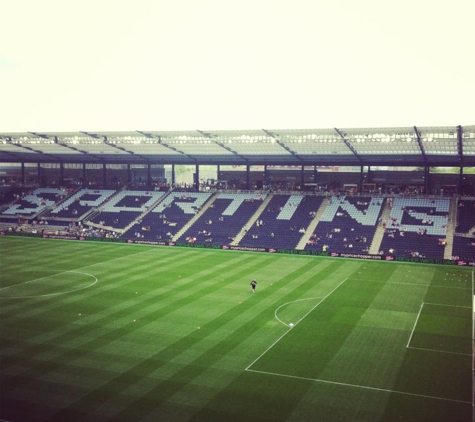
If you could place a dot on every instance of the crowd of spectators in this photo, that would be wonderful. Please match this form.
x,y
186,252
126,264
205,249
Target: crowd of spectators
x,y
341,233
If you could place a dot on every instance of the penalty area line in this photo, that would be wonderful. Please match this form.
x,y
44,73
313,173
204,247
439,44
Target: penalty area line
x,y
344,384
439,351
415,324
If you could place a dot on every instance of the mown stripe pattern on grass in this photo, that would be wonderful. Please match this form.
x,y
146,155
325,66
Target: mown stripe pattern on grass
x,y
167,333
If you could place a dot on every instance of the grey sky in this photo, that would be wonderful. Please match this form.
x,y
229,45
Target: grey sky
x,y
237,64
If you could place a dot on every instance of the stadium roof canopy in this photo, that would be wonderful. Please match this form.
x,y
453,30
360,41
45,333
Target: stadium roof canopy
x,y
400,146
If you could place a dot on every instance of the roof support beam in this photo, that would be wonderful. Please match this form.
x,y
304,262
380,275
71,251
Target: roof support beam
x,y
343,136
269,133
460,143
460,150
205,134
419,142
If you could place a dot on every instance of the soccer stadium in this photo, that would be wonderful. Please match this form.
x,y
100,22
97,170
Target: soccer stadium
x,y
237,211
127,261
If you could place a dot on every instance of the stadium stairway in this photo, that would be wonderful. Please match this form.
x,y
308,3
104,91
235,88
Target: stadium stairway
x,y
449,236
185,228
379,233
312,226
252,220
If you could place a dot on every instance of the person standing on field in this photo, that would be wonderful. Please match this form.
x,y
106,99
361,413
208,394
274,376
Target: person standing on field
x,y
253,285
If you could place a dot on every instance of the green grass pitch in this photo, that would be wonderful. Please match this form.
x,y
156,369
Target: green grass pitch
x,y
95,331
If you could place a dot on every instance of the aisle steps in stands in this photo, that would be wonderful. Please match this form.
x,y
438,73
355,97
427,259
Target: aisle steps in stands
x,y
449,237
195,217
379,233
312,226
252,220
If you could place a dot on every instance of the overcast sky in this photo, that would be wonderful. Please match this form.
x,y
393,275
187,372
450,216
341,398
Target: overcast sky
x,y
235,64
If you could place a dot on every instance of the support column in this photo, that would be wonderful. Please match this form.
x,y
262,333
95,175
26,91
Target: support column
x,y
197,177
61,174
426,180
84,183
302,177
248,177
361,178
173,174
22,173
104,175
460,187
149,175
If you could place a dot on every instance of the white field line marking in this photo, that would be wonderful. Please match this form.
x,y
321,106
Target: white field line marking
x,y
439,351
409,284
112,259
30,281
451,306
50,294
388,282
283,335
120,258
293,301
415,323
361,386
65,271
449,287
106,262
